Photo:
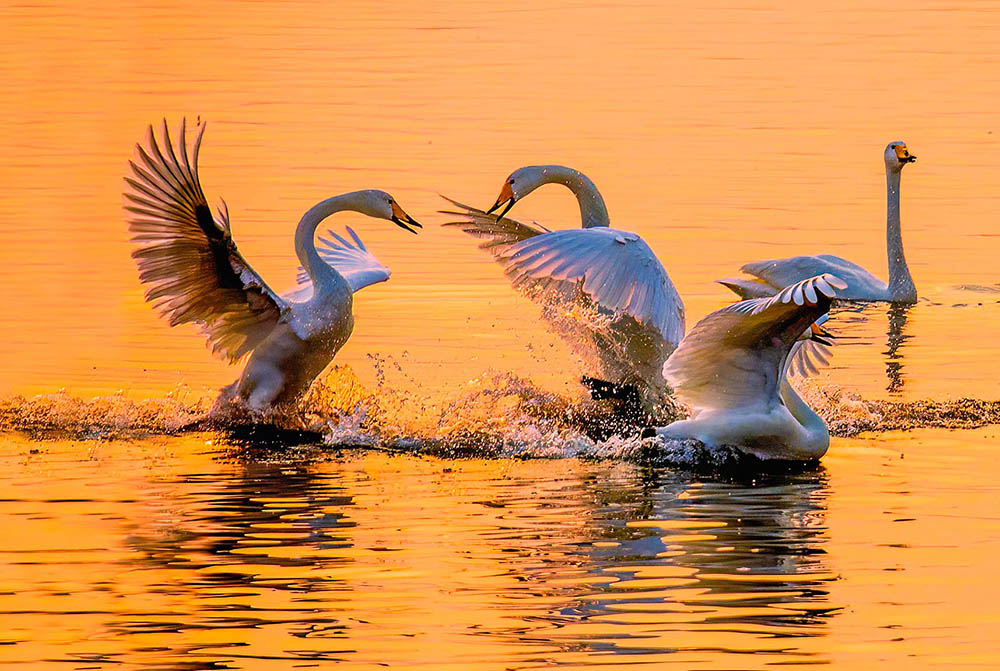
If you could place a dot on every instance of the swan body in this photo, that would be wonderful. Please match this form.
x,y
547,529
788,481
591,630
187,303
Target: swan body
x,y
195,274
768,277
612,271
732,369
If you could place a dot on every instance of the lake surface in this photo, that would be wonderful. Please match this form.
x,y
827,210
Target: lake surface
x,y
723,133
172,553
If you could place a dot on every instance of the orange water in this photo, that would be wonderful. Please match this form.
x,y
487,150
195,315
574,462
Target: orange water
x,y
721,132
167,555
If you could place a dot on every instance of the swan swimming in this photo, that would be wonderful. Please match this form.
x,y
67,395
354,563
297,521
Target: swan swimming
x,y
616,270
196,274
732,370
770,276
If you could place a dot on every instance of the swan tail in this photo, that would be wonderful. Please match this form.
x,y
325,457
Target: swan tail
x,y
746,289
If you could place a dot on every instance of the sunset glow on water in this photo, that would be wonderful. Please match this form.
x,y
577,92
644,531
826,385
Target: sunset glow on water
x,y
721,133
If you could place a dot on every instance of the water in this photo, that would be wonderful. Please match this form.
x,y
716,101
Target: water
x,y
176,553
721,132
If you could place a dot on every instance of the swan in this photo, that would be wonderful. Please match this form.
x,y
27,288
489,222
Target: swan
x,y
732,370
770,276
641,315
196,274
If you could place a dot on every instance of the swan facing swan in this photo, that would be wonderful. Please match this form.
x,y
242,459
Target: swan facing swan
x,y
195,274
770,276
612,271
732,367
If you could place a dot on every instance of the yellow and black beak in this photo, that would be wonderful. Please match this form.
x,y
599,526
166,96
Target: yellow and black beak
x,y
903,154
402,219
506,196
820,335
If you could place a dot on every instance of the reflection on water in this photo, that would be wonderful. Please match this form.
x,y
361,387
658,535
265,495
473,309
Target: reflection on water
x,y
701,567
178,554
894,341
851,323
367,558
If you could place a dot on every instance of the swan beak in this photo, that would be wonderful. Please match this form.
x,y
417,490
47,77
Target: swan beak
x,y
506,196
402,219
904,155
820,335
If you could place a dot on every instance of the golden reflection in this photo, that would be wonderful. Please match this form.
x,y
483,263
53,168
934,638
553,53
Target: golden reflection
x,y
898,314
178,554
769,576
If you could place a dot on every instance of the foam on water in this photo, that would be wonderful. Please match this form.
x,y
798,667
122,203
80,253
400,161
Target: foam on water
x,y
494,415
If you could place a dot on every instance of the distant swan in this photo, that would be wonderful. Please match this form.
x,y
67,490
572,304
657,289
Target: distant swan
x,y
195,274
732,369
616,270
770,276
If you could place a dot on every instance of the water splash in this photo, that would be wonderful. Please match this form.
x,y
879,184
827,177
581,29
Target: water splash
x,y
105,416
494,415
848,414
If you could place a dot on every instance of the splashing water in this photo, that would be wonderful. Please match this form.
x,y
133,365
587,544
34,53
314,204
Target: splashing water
x,y
104,416
494,415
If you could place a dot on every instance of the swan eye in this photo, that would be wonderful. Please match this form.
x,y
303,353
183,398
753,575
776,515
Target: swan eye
x,y
511,181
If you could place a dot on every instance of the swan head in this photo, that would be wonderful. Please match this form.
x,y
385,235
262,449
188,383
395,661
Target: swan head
x,y
519,184
381,205
897,155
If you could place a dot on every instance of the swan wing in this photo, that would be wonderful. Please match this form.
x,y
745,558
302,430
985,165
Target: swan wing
x,y
616,269
350,258
811,351
497,234
187,256
734,357
779,273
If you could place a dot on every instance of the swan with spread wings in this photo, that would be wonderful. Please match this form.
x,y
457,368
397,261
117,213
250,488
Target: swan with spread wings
x,y
732,369
614,272
195,274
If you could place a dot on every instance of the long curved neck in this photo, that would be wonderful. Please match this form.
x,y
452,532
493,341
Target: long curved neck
x,y
901,287
593,211
320,272
818,437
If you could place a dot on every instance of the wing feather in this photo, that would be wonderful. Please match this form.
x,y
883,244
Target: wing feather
x,y
187,257
616,269
498,234
811,351
735,356
349,258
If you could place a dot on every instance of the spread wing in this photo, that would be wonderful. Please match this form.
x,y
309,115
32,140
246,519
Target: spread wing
x,y
735,356
615,268
497,234
186,257
351,259
811,351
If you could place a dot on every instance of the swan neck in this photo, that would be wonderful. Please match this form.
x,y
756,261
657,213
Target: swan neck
x,y
901,287
812,424
593,211
320,272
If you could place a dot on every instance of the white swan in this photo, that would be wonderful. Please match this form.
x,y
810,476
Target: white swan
x,y
614,270
195,274
732,369
770,276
